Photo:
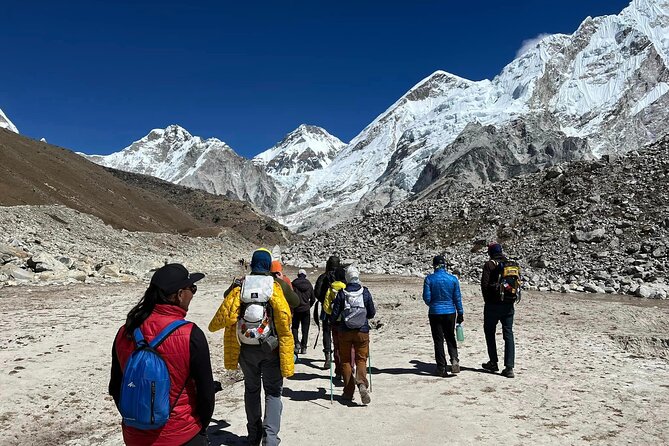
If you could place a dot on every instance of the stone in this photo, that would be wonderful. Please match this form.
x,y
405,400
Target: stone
x,y
643,291
596,235
592,288
17,273
659,252
43,261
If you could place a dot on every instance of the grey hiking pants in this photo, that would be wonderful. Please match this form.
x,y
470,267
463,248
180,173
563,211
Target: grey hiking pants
x,y
262,368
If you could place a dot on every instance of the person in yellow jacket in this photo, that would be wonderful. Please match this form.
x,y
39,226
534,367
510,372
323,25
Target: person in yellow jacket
x,y
338,284
260,365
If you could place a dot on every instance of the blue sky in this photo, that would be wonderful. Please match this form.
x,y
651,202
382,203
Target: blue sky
x,y
93,76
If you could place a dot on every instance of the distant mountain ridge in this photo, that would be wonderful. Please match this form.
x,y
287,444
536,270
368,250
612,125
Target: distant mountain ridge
x,y
175,155
37,173
603,89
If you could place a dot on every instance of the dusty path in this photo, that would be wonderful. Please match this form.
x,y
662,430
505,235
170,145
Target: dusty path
x,y
590,370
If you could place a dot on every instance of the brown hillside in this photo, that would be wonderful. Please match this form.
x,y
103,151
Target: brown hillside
x,y
33,173
213,211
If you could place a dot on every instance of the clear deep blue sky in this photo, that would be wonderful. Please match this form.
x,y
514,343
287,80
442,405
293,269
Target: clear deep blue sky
x,y
93,76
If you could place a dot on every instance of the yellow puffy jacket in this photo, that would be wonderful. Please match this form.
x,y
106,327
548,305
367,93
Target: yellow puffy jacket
x,y
335,287
227,315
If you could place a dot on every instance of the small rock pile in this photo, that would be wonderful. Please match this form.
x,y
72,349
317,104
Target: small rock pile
x,y
593,226
55,244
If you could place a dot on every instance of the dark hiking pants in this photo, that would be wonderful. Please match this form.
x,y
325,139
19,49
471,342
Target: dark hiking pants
x,y
443,327
492,314
327,336
262,369
301,318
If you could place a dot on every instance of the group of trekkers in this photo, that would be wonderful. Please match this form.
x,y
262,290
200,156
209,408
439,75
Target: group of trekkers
x,y
161,376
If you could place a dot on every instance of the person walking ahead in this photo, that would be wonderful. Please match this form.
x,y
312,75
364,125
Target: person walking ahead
x,y
354,305
256,318
321,288
305,291
495,310
441,292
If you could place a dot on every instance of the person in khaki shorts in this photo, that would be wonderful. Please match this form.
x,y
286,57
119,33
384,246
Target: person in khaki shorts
x,y
353,307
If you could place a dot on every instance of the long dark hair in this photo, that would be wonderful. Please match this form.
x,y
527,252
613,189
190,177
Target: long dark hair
x,y
152,296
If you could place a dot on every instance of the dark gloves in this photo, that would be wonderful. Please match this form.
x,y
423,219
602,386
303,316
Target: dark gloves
x,y
460,319
217,386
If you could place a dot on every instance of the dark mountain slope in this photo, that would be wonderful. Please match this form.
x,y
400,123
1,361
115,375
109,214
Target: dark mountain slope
x,y
35,173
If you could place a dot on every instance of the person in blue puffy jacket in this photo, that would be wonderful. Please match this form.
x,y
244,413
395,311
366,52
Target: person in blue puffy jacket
x,y
441,293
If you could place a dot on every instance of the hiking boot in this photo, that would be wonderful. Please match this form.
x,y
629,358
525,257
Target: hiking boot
x,y
441,372
455,367
326,364
508,372
364,394
490,366
303,350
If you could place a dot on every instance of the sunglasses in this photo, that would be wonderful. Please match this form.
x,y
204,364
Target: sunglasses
x,y
192,288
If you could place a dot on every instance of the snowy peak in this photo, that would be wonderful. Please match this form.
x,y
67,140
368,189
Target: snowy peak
x,y
170,154
305,149
5,123
651,17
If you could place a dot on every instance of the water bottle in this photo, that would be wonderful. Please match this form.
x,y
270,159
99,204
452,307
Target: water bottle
x,y
459,333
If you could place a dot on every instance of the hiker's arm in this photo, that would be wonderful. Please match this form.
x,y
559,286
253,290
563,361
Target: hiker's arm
x,y
485,278
227,313
235,283
200,371
457,298
312,297
291,297
318,288
116,376
337,306
427,296
369,303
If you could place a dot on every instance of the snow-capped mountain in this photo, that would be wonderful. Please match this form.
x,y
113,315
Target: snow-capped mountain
x,y
606,84
175,155
305,149
603,89
304,152
5,123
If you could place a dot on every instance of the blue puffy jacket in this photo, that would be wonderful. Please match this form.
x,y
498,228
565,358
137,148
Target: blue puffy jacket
x,y
441,292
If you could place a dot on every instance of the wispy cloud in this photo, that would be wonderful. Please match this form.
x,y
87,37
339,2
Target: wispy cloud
x,y
529,44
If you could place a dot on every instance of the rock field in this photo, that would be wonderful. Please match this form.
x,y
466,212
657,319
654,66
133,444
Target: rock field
x,y
593,226
55,245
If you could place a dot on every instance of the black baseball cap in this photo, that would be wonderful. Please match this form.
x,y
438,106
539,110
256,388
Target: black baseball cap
x,y
174,277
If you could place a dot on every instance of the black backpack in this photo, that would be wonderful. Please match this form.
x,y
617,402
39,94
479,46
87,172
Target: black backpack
x,y
508,281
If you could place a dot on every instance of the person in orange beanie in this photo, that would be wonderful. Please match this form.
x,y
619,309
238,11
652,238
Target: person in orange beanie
x,y
277,271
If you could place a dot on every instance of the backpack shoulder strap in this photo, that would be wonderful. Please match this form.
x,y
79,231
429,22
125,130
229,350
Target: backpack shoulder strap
x,y
166,332
138,336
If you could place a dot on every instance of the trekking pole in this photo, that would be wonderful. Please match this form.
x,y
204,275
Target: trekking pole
x,y
369,358
317,335
331,391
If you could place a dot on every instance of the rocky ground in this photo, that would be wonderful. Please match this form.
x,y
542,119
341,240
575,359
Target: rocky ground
x,y
591,369
58,245
594,226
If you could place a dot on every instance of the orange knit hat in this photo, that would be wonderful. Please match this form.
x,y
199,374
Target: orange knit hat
x,y
276,267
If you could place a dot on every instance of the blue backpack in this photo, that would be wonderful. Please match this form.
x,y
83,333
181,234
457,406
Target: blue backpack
x,y
145,390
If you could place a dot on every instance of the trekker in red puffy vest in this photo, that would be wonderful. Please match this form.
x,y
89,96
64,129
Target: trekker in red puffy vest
x,y
185,351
